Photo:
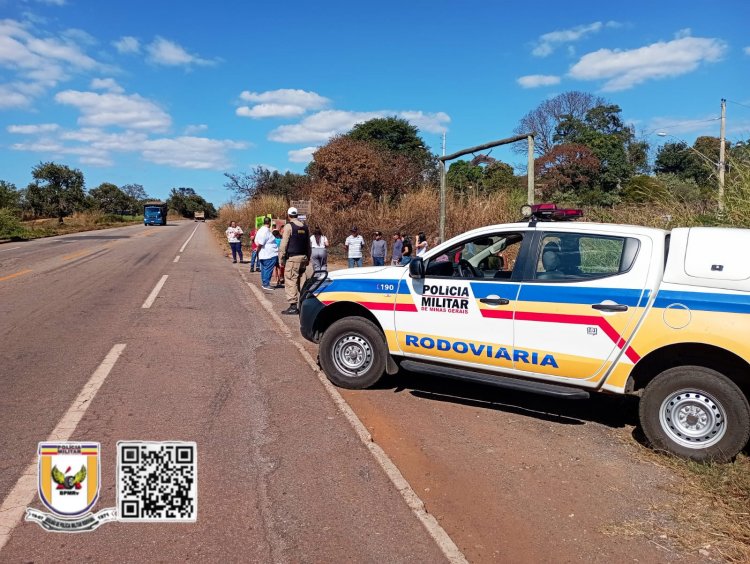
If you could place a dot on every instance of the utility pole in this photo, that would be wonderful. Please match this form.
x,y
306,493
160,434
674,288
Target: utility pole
x,y
722,153
530,172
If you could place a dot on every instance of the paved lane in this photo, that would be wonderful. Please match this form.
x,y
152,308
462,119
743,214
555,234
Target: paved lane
x,y
282,476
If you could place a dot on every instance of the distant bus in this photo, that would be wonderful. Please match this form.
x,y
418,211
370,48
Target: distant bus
x,y
155,213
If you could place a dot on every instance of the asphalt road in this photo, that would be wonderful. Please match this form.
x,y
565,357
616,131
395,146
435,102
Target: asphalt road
x,y
283,477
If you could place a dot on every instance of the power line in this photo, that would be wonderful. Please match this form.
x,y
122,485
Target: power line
x,y
738,103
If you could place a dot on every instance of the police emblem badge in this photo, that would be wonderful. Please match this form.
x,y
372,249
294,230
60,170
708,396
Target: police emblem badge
x,y
68,483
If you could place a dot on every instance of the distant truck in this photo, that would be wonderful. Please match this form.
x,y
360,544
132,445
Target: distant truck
x,y
155,213
200,216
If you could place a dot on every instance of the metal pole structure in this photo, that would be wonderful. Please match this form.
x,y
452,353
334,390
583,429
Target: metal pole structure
x,y
530,172
470,150
442,201
722,151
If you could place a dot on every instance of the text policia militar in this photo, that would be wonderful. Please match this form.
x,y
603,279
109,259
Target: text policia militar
x,y
448,299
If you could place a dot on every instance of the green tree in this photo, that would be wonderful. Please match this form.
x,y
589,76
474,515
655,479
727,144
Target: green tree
x,y
57,189
110,199
10,197
498,176
463,176
392,134
544,119
186,202
135,191
620,154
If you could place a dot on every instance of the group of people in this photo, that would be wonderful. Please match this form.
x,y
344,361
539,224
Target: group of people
x,y
286,253
402,248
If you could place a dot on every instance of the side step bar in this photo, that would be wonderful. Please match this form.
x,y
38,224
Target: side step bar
x,y
542,388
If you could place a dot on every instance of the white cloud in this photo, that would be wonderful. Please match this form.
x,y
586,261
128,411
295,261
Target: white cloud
x,y
127,111
53,2
307,99
80,36
96,161
36,64
33,129
302,155
537,80
195,128
270,110
164,52
747,50
190,152
431,123
547,43
127,44
106,84
624,69
12,97
95,146
321,126
285,102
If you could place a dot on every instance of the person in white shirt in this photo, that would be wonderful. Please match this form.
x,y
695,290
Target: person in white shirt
x,y
422,244
268,253
354,244
234,236
319,243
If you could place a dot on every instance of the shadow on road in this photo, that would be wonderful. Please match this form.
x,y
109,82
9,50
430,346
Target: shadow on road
x,y
612,411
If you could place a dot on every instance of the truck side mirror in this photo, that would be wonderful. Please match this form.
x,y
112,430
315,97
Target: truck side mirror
x,y
416,268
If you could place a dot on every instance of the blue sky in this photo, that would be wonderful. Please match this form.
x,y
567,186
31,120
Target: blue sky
x,y
167,93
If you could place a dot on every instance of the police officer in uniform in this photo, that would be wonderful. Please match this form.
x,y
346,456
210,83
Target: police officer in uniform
x,y
294,255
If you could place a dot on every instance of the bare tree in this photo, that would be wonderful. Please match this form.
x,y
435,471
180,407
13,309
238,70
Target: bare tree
x,y
546,116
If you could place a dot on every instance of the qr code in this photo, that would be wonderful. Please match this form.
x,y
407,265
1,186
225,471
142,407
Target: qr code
x,y
157,481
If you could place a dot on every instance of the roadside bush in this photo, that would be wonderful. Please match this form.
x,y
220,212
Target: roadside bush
x,y
10,225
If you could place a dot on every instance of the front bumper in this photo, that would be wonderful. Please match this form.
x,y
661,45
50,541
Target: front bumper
x,y
308,313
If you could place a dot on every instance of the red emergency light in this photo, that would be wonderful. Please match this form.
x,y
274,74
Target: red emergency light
x,y
550,212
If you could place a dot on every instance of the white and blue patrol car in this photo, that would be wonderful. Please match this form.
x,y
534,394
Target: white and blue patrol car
x,y
562,309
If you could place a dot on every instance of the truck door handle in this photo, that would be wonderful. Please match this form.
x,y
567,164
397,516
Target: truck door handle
x,y
495,301
610,307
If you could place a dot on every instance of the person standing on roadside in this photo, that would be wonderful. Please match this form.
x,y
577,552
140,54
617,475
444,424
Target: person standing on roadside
x,y
354,244
294,254
319,244
234,236
267,253
378,249
406,252
398,248
422,244
254,251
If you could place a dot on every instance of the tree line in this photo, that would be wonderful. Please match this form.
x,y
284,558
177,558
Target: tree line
x,y
58,191
586,153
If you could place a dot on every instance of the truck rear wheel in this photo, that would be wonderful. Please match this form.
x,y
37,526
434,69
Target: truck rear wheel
x,y
353,353
695,412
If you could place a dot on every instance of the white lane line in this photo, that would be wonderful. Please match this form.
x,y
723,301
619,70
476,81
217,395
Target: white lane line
x,y
22,494
438,534
176,259
10,249
155,292
182,249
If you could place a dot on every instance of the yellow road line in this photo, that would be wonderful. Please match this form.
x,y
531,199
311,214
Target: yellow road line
x,y
15,274
78,254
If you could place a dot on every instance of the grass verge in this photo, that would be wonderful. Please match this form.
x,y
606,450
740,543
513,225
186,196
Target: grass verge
x,y
15,230
709,512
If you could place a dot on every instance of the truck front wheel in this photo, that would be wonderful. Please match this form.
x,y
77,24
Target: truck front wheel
x,y
353,353
697,413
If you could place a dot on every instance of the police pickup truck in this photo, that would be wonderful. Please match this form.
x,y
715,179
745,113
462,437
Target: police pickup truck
x,y
562,309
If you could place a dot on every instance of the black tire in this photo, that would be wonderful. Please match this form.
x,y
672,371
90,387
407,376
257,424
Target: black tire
x,y
353,353
696,413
